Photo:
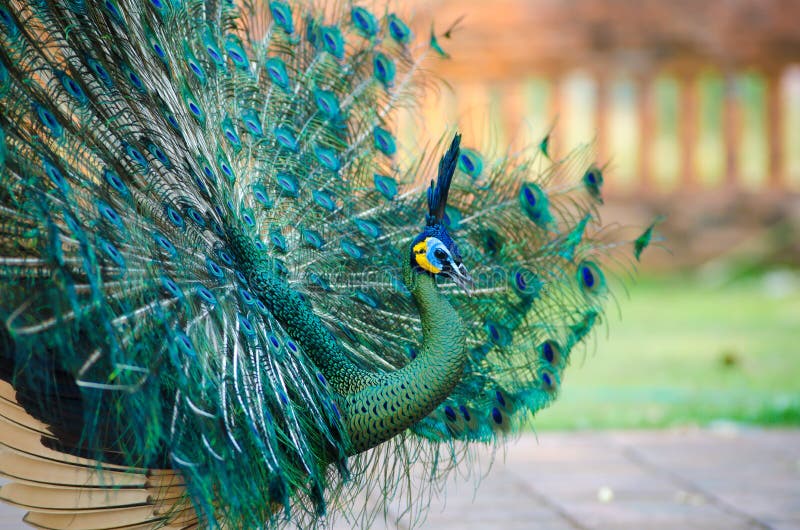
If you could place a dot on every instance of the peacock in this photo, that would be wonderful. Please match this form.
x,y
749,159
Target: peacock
x,y
230,299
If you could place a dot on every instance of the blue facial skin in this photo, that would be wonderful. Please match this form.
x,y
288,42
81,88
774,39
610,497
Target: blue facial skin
x,y
443,255
438,231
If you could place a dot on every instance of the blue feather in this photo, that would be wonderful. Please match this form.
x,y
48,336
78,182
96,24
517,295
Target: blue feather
x,y
205,203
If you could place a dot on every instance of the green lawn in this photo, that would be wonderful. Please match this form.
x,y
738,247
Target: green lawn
x,y
687,351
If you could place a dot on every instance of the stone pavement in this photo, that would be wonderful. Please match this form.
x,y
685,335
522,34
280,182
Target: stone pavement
x,y
725,478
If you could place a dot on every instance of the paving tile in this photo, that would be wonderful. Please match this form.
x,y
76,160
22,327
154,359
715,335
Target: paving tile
x,y
645,512
679,525
763,505
749,472
783,524
780,440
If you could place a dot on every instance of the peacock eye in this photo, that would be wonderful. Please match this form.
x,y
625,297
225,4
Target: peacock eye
x,y
439,253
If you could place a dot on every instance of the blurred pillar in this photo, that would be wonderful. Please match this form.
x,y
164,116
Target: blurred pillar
x,y
473,102
512,104
556,115
601,102
688,129
775,111
645,110
731,130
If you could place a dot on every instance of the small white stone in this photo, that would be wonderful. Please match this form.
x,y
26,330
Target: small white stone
x,y
605,494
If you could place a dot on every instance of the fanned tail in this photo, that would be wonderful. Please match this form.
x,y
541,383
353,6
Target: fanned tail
x,y
134,135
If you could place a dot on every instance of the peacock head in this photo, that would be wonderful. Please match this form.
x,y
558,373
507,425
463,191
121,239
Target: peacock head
x,y
433,251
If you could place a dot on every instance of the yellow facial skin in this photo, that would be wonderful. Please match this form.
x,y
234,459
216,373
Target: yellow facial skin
x,y
421,257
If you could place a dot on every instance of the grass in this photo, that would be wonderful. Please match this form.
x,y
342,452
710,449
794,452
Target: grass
x,y
689,351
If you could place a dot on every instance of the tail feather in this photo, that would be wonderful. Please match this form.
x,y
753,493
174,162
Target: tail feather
x,y
62,491
132,136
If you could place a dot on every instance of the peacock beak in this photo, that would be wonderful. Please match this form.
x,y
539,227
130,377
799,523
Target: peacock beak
x,y
458,273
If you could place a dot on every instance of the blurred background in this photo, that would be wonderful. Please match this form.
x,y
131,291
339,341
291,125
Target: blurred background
x,y
695,111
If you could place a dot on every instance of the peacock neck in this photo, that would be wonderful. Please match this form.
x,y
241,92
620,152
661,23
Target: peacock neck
x,y
406,396
376,406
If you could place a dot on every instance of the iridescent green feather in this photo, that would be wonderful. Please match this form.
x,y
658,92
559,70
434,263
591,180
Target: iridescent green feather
x,y
139,140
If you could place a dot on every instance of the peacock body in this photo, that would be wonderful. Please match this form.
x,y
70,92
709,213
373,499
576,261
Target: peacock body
x,y
221,285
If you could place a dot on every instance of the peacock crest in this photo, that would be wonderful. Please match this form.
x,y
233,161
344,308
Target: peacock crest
x,y
434,251
217,307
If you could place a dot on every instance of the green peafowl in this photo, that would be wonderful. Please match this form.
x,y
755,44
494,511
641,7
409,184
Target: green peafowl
x,y
218,307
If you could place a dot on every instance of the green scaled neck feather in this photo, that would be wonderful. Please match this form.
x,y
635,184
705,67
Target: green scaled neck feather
x,y
400,399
